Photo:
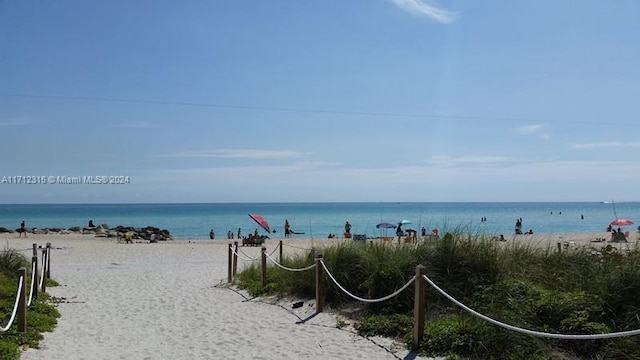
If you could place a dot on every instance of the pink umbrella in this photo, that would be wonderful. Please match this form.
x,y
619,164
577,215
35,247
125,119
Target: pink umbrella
x,y
261,221
621,222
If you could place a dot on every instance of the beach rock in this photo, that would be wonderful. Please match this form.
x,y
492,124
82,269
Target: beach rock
x,y
5,230
75,229
143,233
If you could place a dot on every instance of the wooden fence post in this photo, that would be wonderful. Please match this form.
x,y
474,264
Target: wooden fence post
x,y
263,265
35,249
235,259
230,258
48,260
280,258
22,301
419,306
319,289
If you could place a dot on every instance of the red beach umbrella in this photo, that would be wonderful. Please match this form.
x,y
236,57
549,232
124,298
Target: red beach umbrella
x,y
621,222
261,221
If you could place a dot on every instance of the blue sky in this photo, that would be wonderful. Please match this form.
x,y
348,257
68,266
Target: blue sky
x,y
360,100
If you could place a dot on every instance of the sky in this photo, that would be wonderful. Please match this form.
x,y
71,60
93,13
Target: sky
x,y
333,100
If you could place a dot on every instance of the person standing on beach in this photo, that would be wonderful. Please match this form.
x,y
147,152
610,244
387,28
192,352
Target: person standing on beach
x,y
212,235
287,229
347,228
23,229
239,233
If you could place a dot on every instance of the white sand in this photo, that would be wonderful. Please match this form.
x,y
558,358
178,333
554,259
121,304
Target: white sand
x,y
160,301
165,301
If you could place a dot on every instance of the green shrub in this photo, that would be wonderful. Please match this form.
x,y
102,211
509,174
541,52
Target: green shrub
x,y
393,326
9,350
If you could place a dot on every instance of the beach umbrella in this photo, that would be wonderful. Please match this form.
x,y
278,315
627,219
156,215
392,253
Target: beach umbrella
x,y
261,221
404,222
621,222
385,225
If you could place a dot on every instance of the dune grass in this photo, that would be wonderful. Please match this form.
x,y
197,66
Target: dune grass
x,y
576,291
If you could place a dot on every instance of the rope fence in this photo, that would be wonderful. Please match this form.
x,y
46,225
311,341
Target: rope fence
x,y
21,303
420,280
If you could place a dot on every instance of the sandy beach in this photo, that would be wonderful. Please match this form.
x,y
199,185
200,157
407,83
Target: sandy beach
x,y
168,301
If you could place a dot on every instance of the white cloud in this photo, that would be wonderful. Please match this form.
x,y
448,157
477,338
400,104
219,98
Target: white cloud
x,y
472,160
241,154
426,8
534,130
606,144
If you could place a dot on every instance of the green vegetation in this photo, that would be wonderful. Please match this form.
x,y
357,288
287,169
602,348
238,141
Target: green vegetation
x,y
578,291
41,315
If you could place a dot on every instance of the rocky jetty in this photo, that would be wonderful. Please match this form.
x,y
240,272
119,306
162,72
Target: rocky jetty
x,y
103,230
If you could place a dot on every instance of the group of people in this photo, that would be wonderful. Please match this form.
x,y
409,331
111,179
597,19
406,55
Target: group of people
x,y
230,234
617,235
519,228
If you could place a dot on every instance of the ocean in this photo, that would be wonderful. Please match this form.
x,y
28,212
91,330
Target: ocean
x,y
318,220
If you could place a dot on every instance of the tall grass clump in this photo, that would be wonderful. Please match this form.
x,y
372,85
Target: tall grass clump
x,y
11,261
572,291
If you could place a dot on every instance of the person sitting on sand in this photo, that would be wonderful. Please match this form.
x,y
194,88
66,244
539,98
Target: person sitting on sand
x,y
91,224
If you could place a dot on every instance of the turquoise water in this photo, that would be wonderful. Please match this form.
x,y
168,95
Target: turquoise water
x,y
317,220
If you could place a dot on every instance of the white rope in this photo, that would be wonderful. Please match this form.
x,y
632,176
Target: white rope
x,y
363,299
15,306
247,258
297,247
290,269
531,332
33,280
274,249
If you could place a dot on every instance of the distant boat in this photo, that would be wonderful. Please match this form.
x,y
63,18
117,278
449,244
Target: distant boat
x,y
605,202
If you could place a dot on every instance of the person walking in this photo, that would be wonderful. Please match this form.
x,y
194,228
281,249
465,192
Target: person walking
x,y
287,229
